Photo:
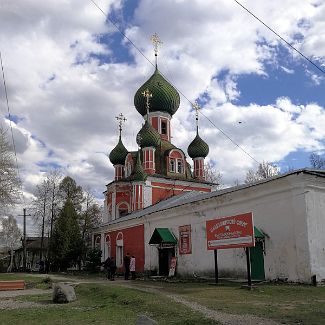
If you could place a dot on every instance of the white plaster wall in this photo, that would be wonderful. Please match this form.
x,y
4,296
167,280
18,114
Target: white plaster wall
x,y
315,198
279,210
290,210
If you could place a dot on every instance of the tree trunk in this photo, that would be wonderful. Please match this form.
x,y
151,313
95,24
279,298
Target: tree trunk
x,y
43,224
11,260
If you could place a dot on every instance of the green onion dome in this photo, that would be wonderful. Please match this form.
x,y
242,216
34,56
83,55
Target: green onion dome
x,y
148,136
118,154
165,97
139,174
198,148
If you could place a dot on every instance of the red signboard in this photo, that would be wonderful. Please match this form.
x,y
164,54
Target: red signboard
x,y
185,245
230,232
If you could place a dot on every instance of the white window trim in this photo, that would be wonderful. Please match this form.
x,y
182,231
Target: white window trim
x,y
108,247
119,250
176,162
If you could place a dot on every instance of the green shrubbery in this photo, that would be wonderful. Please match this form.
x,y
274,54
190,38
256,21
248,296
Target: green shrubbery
x,y
93,260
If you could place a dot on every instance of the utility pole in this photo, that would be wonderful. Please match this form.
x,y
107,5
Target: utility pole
x,y
24,242
24,239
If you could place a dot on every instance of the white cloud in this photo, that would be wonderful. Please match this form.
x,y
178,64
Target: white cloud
x,y
285,104
67,98
289,71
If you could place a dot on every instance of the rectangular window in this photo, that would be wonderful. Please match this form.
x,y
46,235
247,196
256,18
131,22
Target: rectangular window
x,y
179,166
163,127
172,165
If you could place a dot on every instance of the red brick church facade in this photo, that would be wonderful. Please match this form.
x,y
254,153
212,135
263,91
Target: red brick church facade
x,y
157,171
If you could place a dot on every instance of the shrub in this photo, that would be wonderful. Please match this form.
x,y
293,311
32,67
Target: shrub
x,y
93,260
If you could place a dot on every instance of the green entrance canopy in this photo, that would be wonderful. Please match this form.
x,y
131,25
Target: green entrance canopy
x,y
258,233
162,236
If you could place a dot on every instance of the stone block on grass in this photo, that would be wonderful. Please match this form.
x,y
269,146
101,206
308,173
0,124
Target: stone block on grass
x,y
63,293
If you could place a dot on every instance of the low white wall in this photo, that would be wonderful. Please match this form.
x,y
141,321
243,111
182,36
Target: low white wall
x,y
279,209
316,230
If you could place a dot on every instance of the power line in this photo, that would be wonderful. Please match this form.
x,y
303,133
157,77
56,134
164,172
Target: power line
x,y
10,124
282,39
218,128
223,132
115,25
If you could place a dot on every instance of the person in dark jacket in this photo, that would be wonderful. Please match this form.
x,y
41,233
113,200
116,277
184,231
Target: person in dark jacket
x,y
107,267
112,268
127,266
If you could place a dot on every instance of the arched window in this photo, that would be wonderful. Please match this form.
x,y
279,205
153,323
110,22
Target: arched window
x,y
107,249
119,249
122,209
97,242
176,161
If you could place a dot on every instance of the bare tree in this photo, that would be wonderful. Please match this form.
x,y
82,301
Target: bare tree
x,y
212,174
9,181
11,236
264,170
45,204
316,161
41,209
90,215
54,178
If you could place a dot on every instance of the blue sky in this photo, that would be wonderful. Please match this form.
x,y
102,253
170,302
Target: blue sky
x,y
69,72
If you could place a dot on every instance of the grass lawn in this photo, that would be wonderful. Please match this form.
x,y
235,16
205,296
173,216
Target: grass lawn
x,y
291,304
103,304
30,281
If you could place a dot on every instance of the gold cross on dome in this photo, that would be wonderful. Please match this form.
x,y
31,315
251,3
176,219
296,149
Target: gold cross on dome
x,y
121,119
147,95
197,107
156,42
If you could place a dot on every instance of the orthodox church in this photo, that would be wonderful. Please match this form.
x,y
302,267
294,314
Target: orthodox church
x,y
159,169
158,208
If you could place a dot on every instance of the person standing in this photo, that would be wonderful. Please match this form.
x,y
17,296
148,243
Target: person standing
x,y
112,268
107,267
127,266
132,267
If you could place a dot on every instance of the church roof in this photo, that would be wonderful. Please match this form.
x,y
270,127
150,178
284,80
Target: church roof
x,y
198,148
118,154
139,174
165,97
191,197
148,136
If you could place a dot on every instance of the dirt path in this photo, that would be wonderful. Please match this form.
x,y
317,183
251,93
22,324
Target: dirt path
x,y
221,317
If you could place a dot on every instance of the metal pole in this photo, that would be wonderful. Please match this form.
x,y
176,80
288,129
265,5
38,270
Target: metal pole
x,y
248,261
24,242
216,272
